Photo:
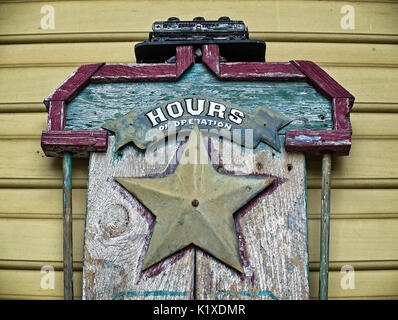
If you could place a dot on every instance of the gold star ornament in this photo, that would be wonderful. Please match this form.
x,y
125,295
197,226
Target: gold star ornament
x,y
195,205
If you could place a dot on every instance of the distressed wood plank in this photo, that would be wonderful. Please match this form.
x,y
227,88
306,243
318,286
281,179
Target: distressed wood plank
x,y
259,70
76,82
129,20
78,142
100,102
272,235
117,234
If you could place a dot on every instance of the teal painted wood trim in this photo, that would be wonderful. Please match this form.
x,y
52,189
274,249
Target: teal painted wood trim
x,y
297,100
143,294
67,226
325,226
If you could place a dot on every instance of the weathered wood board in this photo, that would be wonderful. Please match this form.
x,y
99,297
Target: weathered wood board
x,y
102,102
118,230
272,233
271,229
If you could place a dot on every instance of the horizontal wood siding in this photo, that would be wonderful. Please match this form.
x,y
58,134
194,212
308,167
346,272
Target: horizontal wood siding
x,y
34,61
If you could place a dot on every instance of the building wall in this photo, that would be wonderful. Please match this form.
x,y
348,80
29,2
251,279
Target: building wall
x,y
35,59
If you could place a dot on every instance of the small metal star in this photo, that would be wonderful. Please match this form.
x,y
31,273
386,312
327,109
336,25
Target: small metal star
x,y
195,205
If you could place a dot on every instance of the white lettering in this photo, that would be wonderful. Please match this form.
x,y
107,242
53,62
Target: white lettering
x,y
170,109
199,107
216,107
236,116
159,115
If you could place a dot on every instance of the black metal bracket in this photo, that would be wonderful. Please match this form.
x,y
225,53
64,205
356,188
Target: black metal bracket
x,y
232,37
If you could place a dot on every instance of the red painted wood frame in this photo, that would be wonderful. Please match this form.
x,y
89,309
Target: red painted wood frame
x,y
56,140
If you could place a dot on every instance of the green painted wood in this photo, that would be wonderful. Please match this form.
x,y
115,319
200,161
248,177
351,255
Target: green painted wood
x,y
67,226
102,102
325,226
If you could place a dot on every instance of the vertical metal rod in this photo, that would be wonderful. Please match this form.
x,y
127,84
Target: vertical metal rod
x,y
325,226
67,219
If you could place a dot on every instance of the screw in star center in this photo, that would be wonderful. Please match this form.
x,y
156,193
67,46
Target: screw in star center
x,y
195,202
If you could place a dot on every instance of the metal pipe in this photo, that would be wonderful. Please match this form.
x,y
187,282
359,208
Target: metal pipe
x,y
67,225
325,226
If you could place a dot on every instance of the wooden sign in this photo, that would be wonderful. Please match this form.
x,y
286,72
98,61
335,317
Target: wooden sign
x,y
197,181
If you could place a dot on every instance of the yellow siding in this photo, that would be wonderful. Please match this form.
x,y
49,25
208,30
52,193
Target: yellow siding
x,y
33,62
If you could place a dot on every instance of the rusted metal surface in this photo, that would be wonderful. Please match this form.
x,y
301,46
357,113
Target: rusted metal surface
x,y
325,226
194,205
67,226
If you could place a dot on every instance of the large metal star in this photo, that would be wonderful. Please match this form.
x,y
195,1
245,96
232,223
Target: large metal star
x,y
194,205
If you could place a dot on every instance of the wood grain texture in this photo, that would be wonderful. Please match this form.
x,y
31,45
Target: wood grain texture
x,y
258,70
78,142
321,80
184,59
55,142
247,70
272,235
136,72
117,230
312,143
76,82
56,115
117,234
101,101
